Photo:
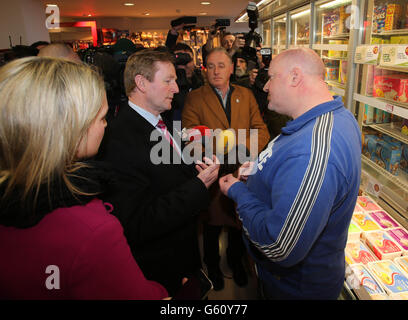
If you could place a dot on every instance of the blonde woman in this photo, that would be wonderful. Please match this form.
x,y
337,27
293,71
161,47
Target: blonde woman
x,y
57,239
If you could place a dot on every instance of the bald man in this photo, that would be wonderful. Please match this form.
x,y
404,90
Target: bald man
x,y
59,50
298,200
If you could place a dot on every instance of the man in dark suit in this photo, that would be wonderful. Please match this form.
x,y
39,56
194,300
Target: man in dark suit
x,y
157,203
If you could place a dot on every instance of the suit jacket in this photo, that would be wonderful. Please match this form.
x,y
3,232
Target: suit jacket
x,y
203,107
157,204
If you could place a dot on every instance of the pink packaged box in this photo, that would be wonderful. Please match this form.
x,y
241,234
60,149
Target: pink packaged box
x,y
358,209
359,253
383,219
382,245
367,204
400,235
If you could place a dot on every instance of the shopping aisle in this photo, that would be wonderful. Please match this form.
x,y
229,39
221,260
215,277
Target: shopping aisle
x,y
231,291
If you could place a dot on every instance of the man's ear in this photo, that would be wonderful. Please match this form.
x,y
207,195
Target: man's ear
x,y
296,76
140,82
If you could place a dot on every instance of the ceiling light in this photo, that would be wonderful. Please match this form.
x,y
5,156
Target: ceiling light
x,y
300,14
146,14
334,3
52,5
264,2
89,15
203,13
128,4
205,3
242,18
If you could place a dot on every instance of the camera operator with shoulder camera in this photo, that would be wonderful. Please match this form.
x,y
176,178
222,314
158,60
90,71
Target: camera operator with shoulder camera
x,y
257,64
188,76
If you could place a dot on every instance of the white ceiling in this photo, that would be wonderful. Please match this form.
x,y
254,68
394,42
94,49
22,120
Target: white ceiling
x,y
156,8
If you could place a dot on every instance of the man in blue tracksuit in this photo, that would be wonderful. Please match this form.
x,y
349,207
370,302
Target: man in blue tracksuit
x,y
297,202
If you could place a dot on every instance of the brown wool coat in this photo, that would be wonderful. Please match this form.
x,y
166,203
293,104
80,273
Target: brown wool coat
x,y
202,107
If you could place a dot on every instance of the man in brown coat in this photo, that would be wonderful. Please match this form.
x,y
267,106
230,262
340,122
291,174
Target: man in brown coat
x,y
221,105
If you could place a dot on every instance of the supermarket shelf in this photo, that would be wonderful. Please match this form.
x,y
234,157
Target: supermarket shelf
x,y
336,84
337,36
334,47
394,188
391,32
294,46
398,109
388,130
330,58
399,69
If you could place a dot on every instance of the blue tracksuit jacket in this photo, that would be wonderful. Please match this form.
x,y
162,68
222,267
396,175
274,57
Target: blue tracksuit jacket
x,y
297,207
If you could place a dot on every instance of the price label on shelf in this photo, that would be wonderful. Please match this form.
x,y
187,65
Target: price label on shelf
x,y
373,187
367,54
389,108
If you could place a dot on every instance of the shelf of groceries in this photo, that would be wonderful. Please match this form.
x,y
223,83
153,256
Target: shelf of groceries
x,y
376,253
383,111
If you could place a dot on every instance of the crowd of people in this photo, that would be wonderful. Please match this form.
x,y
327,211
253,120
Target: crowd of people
x,y
81,192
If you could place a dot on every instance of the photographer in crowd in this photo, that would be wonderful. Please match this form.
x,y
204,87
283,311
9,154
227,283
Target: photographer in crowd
x,y
188,76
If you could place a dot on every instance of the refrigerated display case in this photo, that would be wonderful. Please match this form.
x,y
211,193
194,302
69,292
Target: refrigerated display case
x,y
299,27
279,34
381,99
266,34
331,39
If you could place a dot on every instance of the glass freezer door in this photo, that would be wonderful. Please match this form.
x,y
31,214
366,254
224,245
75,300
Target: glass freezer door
x,y
279,34
300,27
331,41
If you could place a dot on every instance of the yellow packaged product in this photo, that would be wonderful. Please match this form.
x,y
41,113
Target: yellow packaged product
x,y
390,277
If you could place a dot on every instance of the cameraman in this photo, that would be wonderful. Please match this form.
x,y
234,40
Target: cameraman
x,y
230,42
188,76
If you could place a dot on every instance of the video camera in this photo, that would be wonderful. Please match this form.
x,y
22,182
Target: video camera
x,y
220,24
189,22
252,38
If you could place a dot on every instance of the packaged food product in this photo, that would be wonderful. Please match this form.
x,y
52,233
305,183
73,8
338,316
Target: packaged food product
x,y
358,208
383,219
368,117
392,17
332,74
359,253
361,277
378,116
391,87
394,55
369,142
404,127
404,158
364,222
379,15
367,204
382,245
354,232
400,235
388,155
343,72
402,262
390,276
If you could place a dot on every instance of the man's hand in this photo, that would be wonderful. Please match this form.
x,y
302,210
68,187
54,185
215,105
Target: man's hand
x,y
239,42
226,182
245,171
252,76
208,171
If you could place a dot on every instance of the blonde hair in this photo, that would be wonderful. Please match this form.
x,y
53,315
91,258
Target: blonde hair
x,y
143,63
46,108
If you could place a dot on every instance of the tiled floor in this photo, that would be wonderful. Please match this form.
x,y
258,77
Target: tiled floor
x,y
231,291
